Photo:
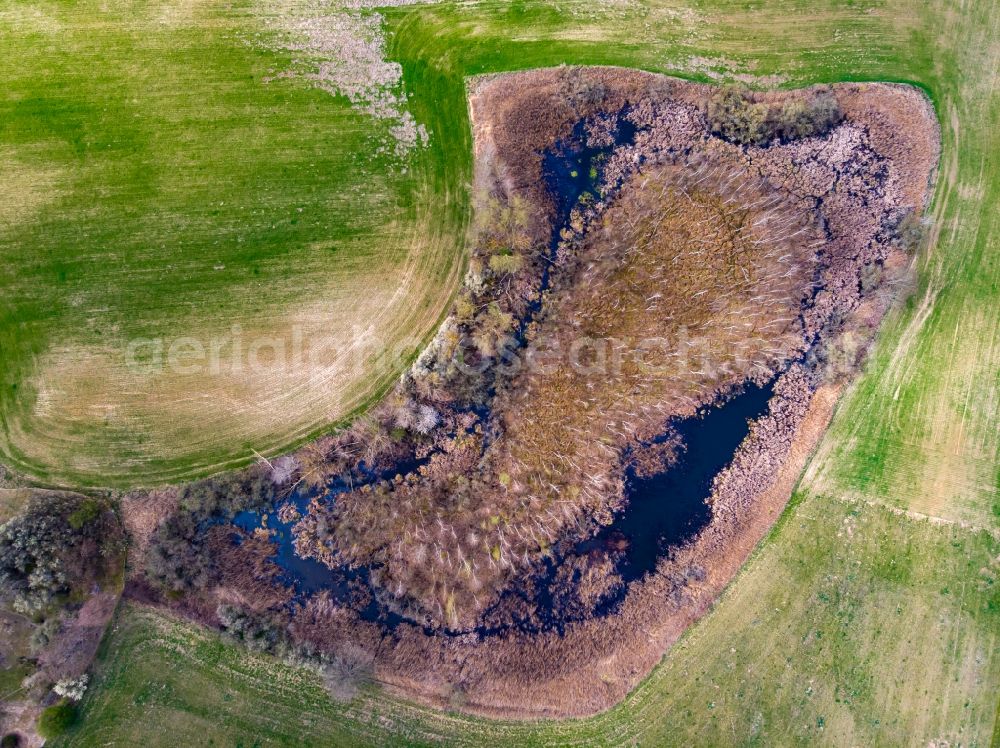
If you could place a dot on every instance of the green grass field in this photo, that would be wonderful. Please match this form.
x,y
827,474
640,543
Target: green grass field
x,y
157,187
871,615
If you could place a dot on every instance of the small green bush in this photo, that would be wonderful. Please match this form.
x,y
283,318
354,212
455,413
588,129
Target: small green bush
x,y
733,114
46,553
803,118
10,740
57,719
89,511
506,263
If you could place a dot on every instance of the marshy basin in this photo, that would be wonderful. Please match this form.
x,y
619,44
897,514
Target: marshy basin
x,y
661,511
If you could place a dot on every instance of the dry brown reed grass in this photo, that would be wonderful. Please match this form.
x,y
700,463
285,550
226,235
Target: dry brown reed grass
x,y
700,258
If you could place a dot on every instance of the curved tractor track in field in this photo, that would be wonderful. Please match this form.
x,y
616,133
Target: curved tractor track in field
x,y
256,225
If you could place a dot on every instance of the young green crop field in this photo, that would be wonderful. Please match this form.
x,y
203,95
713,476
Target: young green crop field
x,y
871,615
164,190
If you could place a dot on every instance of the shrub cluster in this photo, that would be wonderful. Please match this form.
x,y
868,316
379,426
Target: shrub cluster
x,y
179,559
227,495
736,115
911,231
344,669
503,279
60,543
57,719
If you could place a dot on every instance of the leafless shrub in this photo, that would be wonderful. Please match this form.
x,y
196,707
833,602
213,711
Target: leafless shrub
x,y
871,277
316,467
346,671
283,468
582,92
911,231
414,416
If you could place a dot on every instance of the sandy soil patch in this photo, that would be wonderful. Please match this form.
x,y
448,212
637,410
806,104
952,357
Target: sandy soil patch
x,y
25,190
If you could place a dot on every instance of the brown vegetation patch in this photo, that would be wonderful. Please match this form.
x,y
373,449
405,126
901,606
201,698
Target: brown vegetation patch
x,y
142,513
596,662
73,649
683,292
700,251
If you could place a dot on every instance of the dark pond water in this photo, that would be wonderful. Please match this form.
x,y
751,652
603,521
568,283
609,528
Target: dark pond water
x,y
661,511
667,509
573,169
306,574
